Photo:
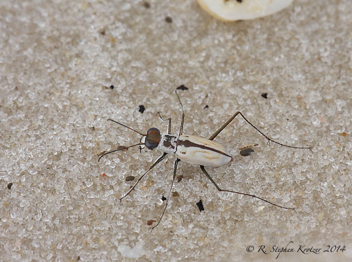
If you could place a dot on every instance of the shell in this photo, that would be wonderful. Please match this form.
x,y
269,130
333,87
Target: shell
x,y
232,10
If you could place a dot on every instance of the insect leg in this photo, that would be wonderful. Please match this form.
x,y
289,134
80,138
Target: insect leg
x,y
168,198
245,194
169,129
161,158
183,115
268,138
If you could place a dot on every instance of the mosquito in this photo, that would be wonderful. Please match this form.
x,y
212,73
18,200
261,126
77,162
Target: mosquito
x,y
191,149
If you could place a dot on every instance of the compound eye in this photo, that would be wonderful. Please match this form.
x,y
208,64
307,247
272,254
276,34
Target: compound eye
x,y
153,138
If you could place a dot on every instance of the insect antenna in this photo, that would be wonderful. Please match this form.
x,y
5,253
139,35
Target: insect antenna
x,y
126,127
123,147
119,149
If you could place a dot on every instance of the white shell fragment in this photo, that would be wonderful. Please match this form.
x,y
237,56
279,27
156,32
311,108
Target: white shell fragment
x,y
232,10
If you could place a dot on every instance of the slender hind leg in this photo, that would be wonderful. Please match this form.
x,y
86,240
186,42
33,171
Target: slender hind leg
x,y
161,158
269,139
235,192
168,198
183,116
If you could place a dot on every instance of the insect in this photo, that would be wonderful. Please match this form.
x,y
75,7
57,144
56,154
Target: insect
x,y
191,149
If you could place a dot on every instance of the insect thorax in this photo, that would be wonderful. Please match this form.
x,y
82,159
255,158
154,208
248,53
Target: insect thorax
x,y
168,144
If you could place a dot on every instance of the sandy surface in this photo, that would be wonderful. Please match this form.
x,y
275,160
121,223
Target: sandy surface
x,y
58,60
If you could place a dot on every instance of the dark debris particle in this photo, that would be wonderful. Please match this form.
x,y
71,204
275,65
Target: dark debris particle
x,y
265,95
9,185
78,258
168,19
175,194
146,5
200,206
247,151
141,109
102,32
239,1
112,87
206,107
163,198
179,178
129,178
150,222
182,87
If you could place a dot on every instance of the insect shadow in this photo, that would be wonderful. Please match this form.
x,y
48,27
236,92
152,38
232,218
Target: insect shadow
x,y
191,149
